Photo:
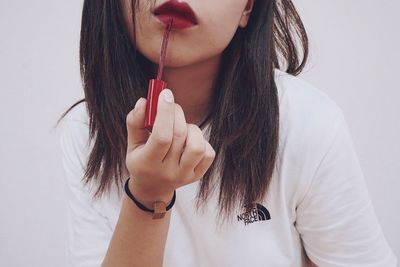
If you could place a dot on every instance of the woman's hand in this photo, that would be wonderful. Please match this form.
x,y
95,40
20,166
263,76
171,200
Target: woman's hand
x,y
173,155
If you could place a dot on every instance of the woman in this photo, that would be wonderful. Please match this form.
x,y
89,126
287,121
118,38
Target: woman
x,y
257,167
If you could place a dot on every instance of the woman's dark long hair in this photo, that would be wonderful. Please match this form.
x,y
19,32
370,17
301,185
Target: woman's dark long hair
x,y
244,121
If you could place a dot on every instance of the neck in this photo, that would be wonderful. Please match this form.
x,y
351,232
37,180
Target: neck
x,y
192,87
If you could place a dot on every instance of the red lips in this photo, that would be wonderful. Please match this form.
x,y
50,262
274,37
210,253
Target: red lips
x,y
182,14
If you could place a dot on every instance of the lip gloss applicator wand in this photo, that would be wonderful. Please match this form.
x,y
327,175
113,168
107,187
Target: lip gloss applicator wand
x,y
157,85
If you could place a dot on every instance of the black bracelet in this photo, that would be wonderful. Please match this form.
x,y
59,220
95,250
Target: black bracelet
x,y
140,205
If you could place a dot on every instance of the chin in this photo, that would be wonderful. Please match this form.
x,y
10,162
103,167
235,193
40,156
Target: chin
x,y
172,61
176,64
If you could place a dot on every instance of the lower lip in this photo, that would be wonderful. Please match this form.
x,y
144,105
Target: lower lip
x,y
179,23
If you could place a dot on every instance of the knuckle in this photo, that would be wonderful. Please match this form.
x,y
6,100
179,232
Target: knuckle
x,y
194,132
194,128
197,148
162,139
210,154
180,133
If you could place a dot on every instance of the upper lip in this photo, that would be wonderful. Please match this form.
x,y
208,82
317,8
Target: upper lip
x,y
176,8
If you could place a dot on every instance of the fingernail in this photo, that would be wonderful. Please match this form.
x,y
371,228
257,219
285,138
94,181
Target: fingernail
x,y
168,96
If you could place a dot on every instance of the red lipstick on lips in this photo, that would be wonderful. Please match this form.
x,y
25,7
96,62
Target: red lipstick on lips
x,y
183,15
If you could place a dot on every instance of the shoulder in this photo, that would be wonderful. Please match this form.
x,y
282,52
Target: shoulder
x,y
306,111
308,101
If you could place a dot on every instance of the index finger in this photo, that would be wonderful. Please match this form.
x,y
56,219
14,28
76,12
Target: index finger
x,y
160,139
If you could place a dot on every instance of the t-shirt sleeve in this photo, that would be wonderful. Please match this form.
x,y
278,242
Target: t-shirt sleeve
x,y
89,231
336,219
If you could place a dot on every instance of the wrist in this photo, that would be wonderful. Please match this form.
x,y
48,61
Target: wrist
x,y
148,196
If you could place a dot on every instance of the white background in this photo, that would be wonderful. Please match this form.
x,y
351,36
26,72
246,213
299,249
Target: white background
x,y
355,59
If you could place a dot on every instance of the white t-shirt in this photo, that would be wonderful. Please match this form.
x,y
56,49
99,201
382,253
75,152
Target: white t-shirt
x,y
318,200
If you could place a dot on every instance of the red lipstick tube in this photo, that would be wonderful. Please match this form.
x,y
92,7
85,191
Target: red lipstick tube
x,y
155,88
157,85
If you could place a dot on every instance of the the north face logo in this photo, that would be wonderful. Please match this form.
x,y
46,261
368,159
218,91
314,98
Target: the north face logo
x,y
257,213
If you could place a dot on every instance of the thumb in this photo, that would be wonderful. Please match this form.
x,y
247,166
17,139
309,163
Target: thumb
x,y
137,133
